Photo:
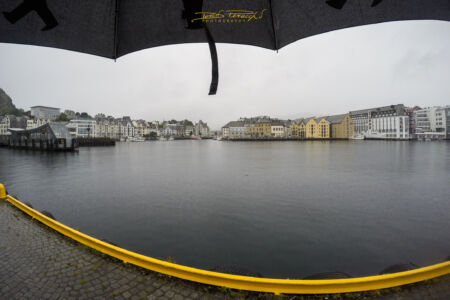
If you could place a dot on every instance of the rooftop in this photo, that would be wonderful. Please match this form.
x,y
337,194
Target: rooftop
x,y
47,107
400,108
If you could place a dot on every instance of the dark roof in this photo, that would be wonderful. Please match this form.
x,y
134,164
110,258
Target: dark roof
x,y
277,123
399,108
336,119
264,120
306,120
318,119
236,124
45,107
58,129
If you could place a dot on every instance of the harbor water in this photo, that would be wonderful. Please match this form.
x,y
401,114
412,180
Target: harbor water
x,y
282,209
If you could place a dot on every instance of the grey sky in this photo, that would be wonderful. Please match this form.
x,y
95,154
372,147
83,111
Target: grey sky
x,y
402,62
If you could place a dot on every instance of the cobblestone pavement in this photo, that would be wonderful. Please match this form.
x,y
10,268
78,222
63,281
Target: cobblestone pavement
x,y
39,263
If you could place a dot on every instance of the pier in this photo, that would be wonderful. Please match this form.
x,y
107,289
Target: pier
x,y
48,137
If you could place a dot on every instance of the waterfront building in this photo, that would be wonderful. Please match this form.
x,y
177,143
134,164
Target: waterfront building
x,y
4,125
170,130
287,125
139,127
53,136
126,128
412,120
310,128
226,131
297,129
107,127
45,112
392,127
433,122
277,129
388,122
202,129
237,130
262,128
341,126
248,125
188,128
11,121
322,129
82,127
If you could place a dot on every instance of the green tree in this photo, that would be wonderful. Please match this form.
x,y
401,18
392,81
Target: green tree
x,y
85,115
62,118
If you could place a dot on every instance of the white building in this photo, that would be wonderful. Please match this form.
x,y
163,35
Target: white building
x,y
170,130
107,127
388,122
82,127
126,128
389,127
433,122
44,112
237,130
5,123
202,129
277,129
226,131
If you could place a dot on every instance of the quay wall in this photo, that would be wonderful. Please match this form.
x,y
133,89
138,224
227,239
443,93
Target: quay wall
x,y
95,142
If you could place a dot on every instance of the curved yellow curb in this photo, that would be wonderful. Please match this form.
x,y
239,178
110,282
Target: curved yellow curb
x,y
277,286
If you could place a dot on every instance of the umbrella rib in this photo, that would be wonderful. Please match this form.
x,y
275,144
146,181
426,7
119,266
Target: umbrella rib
x,y
116,30
273,27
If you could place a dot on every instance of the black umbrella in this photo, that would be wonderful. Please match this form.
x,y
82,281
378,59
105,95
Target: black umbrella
x,y
113,28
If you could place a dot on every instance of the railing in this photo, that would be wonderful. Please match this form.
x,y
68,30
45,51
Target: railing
x,y
276,286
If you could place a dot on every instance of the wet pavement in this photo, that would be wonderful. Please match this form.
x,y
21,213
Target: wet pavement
x,y
38,263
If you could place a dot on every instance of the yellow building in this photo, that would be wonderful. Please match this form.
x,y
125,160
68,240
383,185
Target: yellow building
x,y
297,129
341,126
317,128
262,129
322,129
310,128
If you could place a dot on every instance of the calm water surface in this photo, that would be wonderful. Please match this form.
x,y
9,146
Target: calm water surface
x,y
284,209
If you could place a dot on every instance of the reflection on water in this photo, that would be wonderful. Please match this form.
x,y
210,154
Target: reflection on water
x,y
284,209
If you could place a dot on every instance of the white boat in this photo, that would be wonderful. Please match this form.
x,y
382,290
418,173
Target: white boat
x,y
171,138
375,135
136,139
357,137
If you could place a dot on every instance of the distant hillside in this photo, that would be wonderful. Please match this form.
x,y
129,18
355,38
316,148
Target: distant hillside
x,y
7,107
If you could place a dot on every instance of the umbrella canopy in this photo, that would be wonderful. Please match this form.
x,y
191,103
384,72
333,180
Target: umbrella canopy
x,y
113,28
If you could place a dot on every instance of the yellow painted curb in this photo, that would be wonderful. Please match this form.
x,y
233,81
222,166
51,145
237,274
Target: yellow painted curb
x,y
276,286
2,191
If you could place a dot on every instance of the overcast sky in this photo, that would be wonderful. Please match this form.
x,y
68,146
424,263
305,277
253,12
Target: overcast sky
x,y
401,62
